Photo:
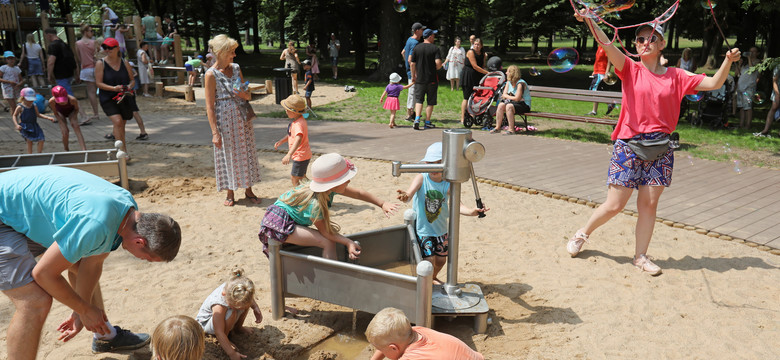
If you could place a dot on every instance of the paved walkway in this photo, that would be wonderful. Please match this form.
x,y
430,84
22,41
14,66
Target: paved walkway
x,y
707,195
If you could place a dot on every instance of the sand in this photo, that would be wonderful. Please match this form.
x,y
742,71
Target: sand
x,y
715,299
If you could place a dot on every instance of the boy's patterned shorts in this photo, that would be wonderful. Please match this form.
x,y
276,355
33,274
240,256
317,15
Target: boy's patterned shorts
x,y
434,245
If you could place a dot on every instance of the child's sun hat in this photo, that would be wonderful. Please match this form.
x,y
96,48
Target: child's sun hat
x,y
395,78
306,62
9,54
29,94
294,103
329,171
433,153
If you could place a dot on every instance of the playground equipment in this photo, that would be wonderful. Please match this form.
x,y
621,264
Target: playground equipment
x,y
105,162
367,285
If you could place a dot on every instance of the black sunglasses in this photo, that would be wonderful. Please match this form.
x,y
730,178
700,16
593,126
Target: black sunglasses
x,y
642,39
108,47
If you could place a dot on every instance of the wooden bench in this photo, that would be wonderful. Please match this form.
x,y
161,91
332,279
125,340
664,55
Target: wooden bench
x,y
608,97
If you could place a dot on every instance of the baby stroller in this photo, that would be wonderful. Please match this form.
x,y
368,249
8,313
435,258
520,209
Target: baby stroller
x,y
482,103
714,107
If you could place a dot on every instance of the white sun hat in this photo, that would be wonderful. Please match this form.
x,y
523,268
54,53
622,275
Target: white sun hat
x,y
329,171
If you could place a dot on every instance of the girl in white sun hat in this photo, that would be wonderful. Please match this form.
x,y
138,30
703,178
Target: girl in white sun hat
x,y
393,90
289,218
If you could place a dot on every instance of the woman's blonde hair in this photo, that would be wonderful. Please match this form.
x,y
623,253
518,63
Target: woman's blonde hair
x,y
30,38
178,338
687,51
390,325
303,196
221,44
513,74
83,28
290,45
239,290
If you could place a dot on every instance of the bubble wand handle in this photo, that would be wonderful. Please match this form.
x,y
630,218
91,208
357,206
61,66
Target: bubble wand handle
x,y
715,20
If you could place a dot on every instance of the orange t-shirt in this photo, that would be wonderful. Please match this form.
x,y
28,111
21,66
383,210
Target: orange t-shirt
x,y
434,345
600,66
296,128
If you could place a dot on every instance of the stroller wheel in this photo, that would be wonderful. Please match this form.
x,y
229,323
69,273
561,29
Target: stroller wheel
x,y
468,121
487,120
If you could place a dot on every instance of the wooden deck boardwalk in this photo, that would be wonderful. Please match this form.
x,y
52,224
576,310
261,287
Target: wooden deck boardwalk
x,y
705,194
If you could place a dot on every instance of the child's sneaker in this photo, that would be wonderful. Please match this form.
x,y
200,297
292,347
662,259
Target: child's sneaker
x,y
575,243
592,113
417,125
610,108
124,340
643,263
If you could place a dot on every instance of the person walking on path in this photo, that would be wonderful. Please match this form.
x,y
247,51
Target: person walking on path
x,y
333,50
87,47
454,64
34,55
633,164
73,220
425,61
60,64
771,116
233,136
406,54
600,69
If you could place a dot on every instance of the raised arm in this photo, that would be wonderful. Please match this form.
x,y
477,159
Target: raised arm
x,y
717,80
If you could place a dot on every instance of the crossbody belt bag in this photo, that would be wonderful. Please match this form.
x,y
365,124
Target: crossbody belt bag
x,y
654,149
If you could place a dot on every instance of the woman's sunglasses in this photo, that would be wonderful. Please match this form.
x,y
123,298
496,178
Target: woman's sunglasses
x,y
642,39
108,47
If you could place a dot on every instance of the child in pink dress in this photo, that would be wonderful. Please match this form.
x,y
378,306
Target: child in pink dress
x,y
392,91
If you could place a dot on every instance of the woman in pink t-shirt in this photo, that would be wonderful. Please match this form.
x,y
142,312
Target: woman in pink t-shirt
x,y
650,109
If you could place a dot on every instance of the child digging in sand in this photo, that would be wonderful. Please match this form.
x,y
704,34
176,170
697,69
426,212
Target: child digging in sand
x,y
225,310
297,138
178,338
289,218
429,201
394,337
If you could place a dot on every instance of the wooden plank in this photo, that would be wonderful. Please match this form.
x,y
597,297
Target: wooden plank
x,y
555,90
584,119
587,98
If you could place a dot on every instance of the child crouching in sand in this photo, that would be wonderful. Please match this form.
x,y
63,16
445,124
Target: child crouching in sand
x,y
289,218
430,205
178,338
225,310
394,337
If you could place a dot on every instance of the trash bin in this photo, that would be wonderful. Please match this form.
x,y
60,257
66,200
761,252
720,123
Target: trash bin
x,y
282,84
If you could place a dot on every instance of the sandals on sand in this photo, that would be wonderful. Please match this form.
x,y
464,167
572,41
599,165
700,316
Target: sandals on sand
x,y
508,132
229,202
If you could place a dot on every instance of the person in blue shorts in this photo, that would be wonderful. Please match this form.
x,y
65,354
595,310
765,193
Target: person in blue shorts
x,y
73,220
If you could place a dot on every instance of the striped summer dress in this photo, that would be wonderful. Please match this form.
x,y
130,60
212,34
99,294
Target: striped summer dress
x,y
235,164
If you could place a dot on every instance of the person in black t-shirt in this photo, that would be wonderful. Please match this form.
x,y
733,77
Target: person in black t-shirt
x,y
426,59
61,64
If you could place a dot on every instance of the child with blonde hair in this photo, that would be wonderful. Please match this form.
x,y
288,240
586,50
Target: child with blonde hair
x,y
26,120
225,310
178,338
289,218
393,90
11,78
394,337
297,138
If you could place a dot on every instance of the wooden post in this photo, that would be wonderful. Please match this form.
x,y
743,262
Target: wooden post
x,y
189,94
269,87
139,35
71,35
179,60
159,89
44,26
158,21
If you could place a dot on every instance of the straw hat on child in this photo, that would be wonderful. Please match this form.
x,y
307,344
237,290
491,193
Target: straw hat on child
x,y
329,171
294,103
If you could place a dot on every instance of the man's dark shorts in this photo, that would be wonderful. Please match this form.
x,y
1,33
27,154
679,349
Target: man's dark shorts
x,y
17,258
426,91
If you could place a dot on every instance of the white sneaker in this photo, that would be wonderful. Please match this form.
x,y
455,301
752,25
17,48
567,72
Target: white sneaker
x,y
147,95
574,246
643,263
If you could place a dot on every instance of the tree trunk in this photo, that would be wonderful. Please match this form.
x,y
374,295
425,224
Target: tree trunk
x,y
255,28
773,37
282,16
359,38
233,27
535,43
390,52
207,6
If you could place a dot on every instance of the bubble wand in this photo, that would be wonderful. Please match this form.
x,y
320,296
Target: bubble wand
x,y
715,20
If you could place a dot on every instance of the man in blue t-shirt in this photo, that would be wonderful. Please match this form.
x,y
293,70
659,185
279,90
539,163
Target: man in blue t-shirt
x,y
73,220
406,54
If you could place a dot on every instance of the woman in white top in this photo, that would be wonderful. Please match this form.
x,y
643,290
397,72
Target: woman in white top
x,y
32,51
455,58
686,60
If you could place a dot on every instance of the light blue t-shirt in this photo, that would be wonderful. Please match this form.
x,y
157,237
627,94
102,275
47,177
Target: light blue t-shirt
x,y
430,204
303,214
526,93
411,42
78,210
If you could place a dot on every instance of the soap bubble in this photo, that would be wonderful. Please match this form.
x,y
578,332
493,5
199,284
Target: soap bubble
x,y
534,72
758,98
737,169
610,78
400,5
562,60
709,3
599,8
695,97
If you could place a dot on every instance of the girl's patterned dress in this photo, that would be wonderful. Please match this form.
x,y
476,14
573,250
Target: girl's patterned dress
x,y
235,164
28,120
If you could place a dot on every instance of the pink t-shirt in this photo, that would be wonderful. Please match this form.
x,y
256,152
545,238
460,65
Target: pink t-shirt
x,y
298,127
86,49
433,345
651,103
